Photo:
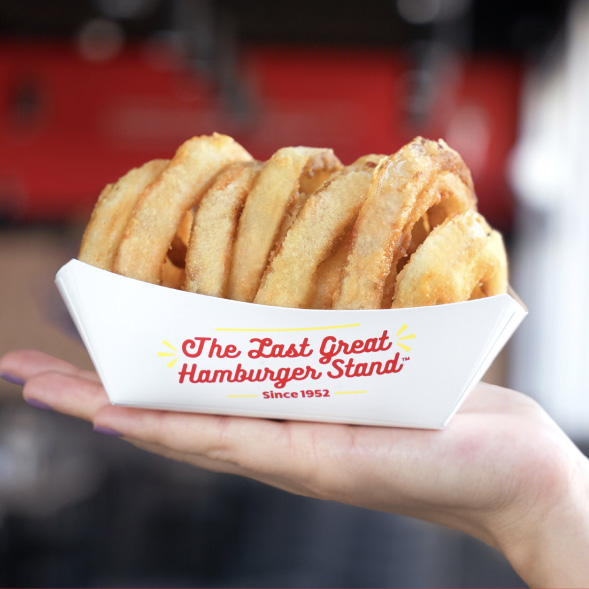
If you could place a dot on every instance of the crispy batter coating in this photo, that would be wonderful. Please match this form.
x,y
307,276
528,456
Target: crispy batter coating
x,y
210,248
111,214
161,206
289,279
421,175
329,273
462,258
300,230
286,179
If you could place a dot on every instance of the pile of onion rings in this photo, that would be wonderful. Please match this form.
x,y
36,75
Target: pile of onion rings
x,y
301,229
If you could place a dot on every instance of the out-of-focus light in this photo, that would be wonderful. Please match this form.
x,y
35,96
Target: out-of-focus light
x,y
418,12
421,12
125,9
100,40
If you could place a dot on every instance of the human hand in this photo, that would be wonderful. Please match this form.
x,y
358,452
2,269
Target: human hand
x,y
501,471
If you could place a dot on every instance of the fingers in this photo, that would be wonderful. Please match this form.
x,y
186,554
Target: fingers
x,y
286,483
329,461
258,448
211,435
267,450
24,364
65,392
51,383
189,457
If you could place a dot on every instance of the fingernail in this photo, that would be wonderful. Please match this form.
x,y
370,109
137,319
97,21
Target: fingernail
x,y
107,431
12,378
38,404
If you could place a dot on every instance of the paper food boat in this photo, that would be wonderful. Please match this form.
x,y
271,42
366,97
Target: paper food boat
x,y
156,347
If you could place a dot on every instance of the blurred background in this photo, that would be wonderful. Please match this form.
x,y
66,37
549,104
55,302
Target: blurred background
x,y
89,89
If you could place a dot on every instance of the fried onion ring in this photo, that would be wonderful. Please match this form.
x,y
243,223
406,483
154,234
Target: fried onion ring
x,y
405,185
111,214
462,258
289,278
215,223
159,210
328,275
177,251
290,175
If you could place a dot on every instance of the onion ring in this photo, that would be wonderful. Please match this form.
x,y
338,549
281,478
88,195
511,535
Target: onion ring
x,y
328,275
210,248
286,179
289,278
159,210
405,186
112,212
177,250
462,258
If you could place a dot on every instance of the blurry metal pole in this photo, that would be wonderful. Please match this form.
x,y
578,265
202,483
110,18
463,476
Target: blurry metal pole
x,y
550,175
208,36
442,35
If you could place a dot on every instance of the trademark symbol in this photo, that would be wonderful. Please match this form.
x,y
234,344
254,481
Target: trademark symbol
x,y
406,359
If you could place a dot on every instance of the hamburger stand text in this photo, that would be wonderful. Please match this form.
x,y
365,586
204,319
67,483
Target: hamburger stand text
x,y
336,357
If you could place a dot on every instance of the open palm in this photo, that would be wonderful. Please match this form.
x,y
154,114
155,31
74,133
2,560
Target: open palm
x,y
500,460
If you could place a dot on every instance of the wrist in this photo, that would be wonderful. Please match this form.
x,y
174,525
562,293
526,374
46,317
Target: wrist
x,y
545,535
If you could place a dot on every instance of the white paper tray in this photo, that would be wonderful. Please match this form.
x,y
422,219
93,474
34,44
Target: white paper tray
x,y
142,338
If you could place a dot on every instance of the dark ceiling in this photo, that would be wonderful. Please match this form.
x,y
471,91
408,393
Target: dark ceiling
x,y
503,26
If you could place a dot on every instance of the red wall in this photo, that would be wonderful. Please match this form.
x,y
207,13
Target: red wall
x,y
67,126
